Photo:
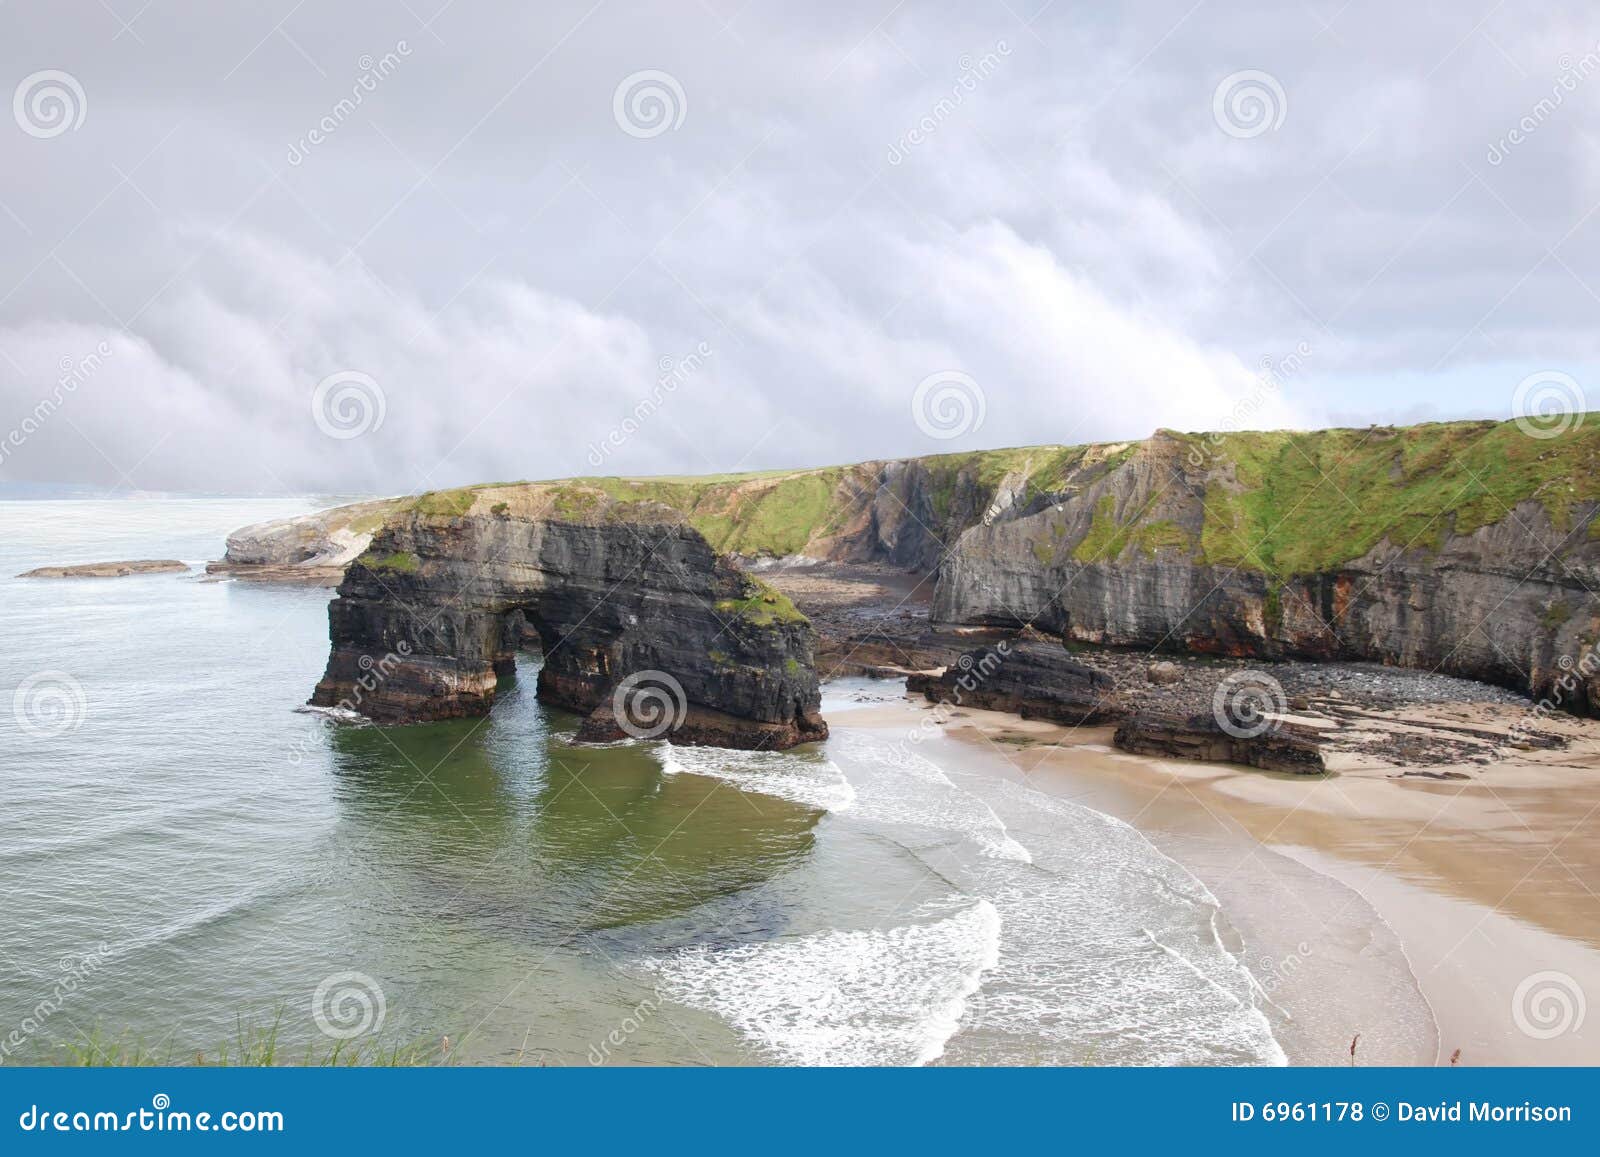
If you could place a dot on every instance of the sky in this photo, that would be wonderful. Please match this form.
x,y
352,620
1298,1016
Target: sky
x,y
384,247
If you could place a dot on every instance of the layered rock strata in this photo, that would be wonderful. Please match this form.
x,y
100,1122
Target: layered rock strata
x,y
645,630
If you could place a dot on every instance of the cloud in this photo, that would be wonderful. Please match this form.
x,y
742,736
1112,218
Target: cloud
x,y
1070,227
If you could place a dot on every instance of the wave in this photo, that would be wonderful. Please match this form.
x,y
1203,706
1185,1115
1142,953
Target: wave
x,y
878,996
800,779
903,788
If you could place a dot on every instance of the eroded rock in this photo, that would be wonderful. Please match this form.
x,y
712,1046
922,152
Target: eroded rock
x,y
645,629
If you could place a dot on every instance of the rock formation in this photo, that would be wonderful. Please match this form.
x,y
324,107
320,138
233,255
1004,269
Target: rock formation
x,y
109,569
645,629
1285,747
1033,680
311,548
1463,547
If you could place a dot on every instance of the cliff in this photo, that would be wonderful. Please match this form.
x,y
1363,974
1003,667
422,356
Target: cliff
x,y
1468,548
1464,547
646,630
310,548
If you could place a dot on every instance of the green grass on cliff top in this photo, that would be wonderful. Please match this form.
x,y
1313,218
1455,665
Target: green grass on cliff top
x,y
1285,502
1311,501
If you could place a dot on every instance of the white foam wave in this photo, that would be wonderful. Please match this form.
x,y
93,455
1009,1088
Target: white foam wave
x,y
890,996
806,781
902,787
1112,952
342,715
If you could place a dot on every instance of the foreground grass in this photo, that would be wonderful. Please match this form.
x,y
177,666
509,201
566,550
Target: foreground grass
x,y
253,1045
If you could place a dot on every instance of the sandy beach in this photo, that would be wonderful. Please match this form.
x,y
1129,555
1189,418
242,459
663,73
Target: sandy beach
x,y
1415,915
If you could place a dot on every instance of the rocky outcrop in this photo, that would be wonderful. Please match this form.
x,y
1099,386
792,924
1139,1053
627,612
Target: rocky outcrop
x,y
646,631
1125,557
1462,547
1283,747
1033,680
313,549
109,569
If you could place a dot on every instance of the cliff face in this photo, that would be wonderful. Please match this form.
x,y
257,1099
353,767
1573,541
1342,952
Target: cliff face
x,y
311,548
1461,546
645,629
1181,546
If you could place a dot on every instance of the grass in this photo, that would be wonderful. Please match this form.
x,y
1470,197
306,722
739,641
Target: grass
x,y
1309,502
445,503
763,606
253,1045
402,562
1280,502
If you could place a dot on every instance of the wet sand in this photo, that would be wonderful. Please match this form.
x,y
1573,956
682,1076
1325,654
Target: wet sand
x,y
1426,915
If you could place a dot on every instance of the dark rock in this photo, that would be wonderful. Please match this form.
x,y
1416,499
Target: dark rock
x,y
1033,680
644,628
1281,747
1510,603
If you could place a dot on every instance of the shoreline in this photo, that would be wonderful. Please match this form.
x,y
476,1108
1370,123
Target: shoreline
x,y
1424,915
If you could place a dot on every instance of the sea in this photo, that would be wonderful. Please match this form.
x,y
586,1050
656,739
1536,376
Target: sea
x,y
187,856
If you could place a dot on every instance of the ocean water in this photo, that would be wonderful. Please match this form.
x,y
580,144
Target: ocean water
x,y
167,816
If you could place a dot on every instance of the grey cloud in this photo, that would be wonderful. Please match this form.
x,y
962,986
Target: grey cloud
x,y
855,199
